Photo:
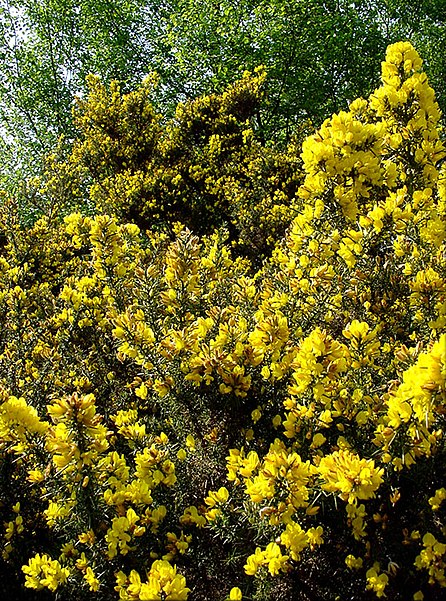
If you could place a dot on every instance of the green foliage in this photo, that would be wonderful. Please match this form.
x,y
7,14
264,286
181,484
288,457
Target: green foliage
x,y
319,55
49,48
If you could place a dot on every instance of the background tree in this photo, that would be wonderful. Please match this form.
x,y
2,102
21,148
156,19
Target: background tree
x,y
318,54
48,48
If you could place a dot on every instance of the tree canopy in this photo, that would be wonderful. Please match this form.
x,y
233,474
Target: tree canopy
x,y
319,55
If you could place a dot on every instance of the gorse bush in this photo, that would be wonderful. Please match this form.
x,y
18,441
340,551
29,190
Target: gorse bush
x,y
178,422
205,167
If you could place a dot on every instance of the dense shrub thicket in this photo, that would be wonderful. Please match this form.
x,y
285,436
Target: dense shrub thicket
x,y
180,420
205,167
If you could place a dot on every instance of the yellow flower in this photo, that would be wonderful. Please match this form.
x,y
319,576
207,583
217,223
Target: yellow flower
x,y
256,415
217,497
55,512
190,442
182,454
315,537
91,579
235,594
271,557
437,499
191,516
254,562
354,563
431,559
87,538
35,476
318,440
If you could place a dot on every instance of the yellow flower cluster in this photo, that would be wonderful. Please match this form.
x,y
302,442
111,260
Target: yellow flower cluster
x,y
44,572
294,539
18,421
163,584
403,80
432,559
353,478
191,516
437,499
417,402
13,528
212,500
377,581
118,536
271,557
282,479
345,150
